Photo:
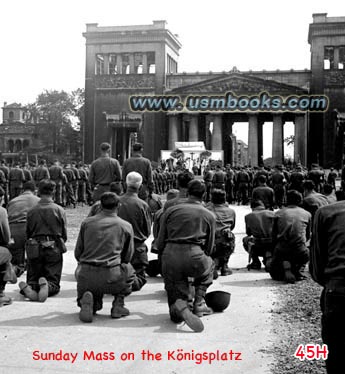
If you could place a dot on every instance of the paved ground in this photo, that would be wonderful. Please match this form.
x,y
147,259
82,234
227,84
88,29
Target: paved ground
x,y
28,327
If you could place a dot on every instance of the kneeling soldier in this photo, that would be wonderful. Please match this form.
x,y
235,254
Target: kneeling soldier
x,y
104,250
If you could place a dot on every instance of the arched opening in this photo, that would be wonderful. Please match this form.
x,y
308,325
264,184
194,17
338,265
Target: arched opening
x,y
18,145
10,145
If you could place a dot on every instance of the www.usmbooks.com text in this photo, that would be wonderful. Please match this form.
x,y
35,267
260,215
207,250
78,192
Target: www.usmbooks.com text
x,y
263,102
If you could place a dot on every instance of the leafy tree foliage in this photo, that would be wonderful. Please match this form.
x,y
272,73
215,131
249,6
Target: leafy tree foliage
x,y
58,116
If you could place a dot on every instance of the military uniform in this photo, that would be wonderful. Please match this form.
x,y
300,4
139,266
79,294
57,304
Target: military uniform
x,y
103,171
327,267
142,166
56,175
259,224
186,241
17,213
4,181
224,238
40,173
15,179
5,256
104,250
291,230
137,213
265,194
46,223
69,192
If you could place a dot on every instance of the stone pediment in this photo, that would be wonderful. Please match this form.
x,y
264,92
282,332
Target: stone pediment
x,y
239,84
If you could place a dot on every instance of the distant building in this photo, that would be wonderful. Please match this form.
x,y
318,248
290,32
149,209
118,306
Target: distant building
x,y
122,61
18,137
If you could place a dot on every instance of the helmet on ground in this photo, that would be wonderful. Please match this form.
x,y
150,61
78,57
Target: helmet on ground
x,y
218,300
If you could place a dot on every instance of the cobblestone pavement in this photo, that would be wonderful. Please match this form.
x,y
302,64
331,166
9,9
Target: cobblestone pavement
x,y
29,329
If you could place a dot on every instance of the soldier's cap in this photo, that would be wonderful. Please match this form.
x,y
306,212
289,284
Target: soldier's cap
x,y
134,179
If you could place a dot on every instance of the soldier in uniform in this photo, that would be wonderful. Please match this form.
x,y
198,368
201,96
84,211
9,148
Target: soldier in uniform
x,y
327,268
297,178
57,176
16,179
103,171
331,177
5,255
208,177
259,242
219,178
230,184
278,185
317,176
186,242
17,212
47,228
136,211
312,200
104,250
224,238
4,180
70,178
75,182
41,172
291,231
82,183
27,173
141,165
242,181
263,192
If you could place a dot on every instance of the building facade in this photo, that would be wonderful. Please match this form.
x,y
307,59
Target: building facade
x,y
122,61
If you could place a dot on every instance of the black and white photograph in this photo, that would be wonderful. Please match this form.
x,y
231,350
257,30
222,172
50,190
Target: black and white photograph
x,y
172,187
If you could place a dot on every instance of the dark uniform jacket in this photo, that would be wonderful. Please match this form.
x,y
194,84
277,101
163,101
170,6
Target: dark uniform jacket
x,y
327,254
104,240
104,170
137,213
188,223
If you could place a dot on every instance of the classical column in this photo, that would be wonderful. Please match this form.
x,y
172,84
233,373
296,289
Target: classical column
x,y
119,63
131,64
193,128
253,141
106,64
277,140
300,139
173,130
145,66
216,143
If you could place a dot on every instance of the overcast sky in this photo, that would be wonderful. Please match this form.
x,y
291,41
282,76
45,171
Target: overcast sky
x,y
42,46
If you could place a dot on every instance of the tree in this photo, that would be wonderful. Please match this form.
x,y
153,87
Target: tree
x,y
59,117
290,140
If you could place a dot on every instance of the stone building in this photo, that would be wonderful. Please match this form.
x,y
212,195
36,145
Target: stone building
x,y
17,134
122,61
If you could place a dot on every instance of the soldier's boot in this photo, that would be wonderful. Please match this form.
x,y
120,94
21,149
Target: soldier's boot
x,y
28,292
192,321
118,310
255,264
200,308
225,270
86,307
216,267
289,277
